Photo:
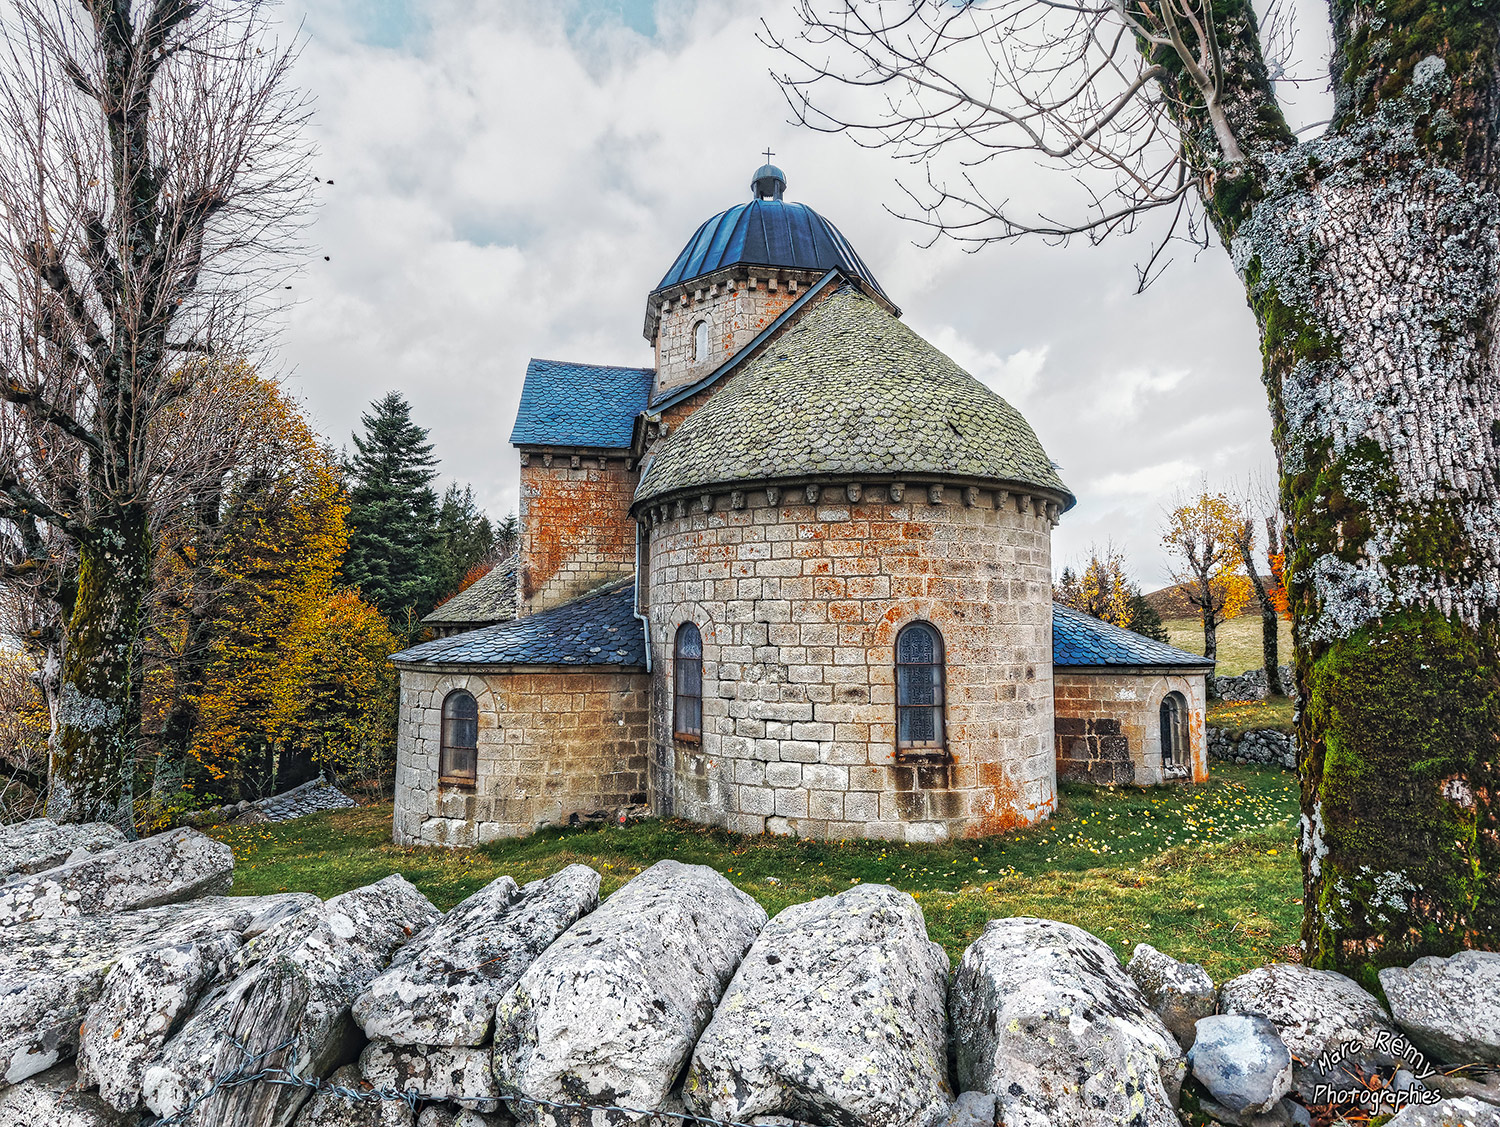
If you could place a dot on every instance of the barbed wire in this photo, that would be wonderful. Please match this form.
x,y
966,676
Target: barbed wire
x,y
253,1068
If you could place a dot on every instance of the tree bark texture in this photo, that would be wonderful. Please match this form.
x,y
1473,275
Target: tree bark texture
x,y
1370,259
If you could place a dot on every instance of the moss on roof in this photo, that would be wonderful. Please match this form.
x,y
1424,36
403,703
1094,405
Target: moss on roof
x,y
849,389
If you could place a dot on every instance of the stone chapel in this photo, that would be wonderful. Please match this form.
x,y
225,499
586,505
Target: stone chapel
x,y
795,578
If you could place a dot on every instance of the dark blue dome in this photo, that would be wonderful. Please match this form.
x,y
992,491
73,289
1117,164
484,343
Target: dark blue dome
x,y
768,232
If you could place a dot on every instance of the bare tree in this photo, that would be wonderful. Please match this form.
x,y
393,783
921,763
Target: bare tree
x,y
1266,581
1370,260
152,171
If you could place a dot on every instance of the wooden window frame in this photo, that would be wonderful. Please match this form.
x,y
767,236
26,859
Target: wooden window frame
x,y
681,663
447,746
936,751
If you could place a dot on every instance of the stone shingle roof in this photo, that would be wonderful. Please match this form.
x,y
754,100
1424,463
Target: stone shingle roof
x,y
490,598
598,629
1082,639
849,389
565,404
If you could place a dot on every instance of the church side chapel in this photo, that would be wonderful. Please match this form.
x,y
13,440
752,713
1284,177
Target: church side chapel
x,y
795,578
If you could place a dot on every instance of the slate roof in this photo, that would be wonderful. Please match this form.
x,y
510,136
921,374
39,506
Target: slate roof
x,y
490,598
767,232
849,389
597,629
566,404
1080,639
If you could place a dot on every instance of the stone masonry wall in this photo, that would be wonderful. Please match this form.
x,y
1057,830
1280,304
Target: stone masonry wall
x,y
799,603
550,744
576,531
1108,726
736,309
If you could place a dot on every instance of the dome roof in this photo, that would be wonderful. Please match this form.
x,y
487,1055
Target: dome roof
x,y
849,389
767,231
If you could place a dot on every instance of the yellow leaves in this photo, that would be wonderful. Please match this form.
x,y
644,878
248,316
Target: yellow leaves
x,y
1201,534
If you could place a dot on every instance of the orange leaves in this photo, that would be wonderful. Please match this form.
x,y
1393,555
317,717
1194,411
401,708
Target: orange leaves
x,y
1200,538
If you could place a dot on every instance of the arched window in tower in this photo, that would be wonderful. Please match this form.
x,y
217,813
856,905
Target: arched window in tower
x,y
1173,729
687,684
919,689
458,758
700,340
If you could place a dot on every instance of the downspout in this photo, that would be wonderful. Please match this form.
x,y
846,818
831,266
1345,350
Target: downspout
x,y
640,530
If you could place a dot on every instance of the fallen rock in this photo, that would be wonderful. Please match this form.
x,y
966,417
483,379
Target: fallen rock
x,y
1046,1019
143,998
1449,1007
51,971
1465,1112
610,1012
289,1010
30,847
441,989
1179,993
180,865
1335,1029
1242,1062
461,1073
52,1099
837,1014
339,1104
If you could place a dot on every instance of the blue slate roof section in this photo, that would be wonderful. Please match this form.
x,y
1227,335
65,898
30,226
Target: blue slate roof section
x,y
767,233
598,629
1082,639
565,404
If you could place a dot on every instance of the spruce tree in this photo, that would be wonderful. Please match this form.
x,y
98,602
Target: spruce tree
x,y
466,538
393,555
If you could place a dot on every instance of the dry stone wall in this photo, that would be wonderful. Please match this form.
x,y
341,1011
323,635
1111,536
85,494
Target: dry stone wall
x,y
542,1006
551,743
799,594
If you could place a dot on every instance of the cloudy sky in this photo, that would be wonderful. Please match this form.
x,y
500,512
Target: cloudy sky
x,y
510,179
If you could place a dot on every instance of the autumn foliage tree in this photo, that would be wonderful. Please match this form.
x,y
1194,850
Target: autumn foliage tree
x,y
1200,540
1104,589
1269,588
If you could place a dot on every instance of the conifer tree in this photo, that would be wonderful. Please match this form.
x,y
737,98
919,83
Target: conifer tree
x,y
393,555
466,539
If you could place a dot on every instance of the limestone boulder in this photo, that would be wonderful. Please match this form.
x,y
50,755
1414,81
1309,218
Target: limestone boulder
x,y
436,1115
1046,1019
346,1100
52,1099
1466,1112
180,865
611,1011
1179,993
144,997
442,988
1335,1029
837,1014
51,971
1242,1062
30,847
1449,1007
460,1073
289,1010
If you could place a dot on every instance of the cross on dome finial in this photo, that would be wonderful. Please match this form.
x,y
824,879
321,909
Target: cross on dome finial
x,y
769,181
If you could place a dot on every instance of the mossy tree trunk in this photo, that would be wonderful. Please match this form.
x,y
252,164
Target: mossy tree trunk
x,y
1370,259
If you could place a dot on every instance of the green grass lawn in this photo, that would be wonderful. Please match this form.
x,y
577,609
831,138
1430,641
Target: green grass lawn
x,y
1238,642
1208,873
1242,715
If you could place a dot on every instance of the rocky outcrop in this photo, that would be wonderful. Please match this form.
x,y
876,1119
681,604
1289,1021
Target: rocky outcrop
x,y
289,1010
836,1015
347,1101
610,1012
1179,993
30,847
437,1116
1449,1007
52,1099
441,989
176,866
1046,1019
1465,1112
1242,1062
460,1073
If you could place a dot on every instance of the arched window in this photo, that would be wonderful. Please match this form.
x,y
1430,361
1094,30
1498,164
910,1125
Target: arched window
x,y
459,756
1174,729
700,340
687,683
919,689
